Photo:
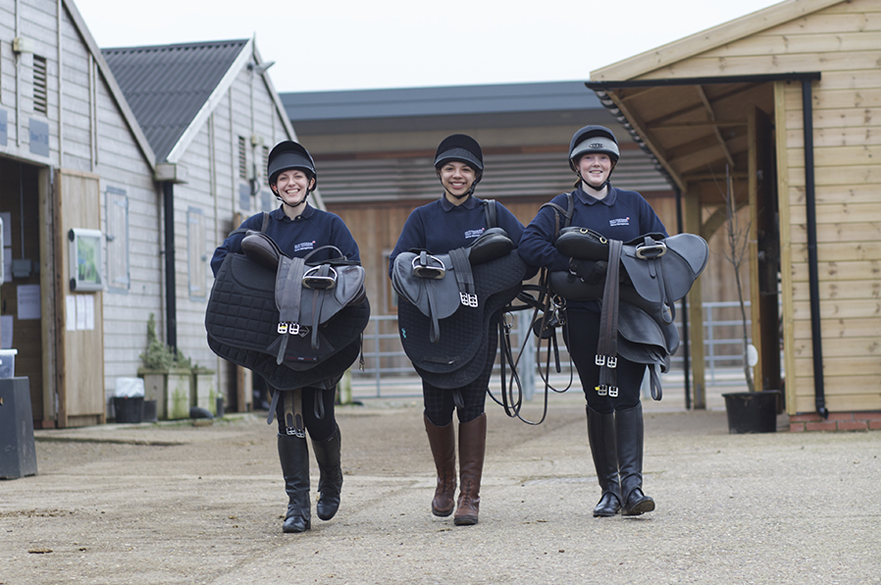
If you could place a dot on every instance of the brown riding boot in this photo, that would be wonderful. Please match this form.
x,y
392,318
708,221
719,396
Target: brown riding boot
x,y
472,448
443,449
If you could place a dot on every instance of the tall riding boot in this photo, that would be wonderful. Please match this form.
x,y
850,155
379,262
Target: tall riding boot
x,y
443,449
472,448
601,435
330,482
294,455
630,431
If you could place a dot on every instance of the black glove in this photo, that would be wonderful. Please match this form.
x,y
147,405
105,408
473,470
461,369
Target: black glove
x,y
589,271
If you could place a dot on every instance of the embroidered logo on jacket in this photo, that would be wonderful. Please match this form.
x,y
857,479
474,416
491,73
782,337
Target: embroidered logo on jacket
x,y
304,246
473,233
619,222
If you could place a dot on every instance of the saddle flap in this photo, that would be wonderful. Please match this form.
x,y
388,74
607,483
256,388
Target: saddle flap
x,y
678,260
647,328
417,291
348,288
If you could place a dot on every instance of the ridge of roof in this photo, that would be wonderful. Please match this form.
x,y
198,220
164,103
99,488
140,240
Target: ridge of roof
x,y
711,38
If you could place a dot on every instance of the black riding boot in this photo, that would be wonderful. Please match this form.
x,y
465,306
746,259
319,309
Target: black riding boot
x,y
327,453
294,455
629,426
601,435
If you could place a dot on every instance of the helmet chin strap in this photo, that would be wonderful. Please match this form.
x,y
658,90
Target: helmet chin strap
x,y
469,192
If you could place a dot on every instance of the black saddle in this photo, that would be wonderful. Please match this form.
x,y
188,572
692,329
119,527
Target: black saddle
x,y
245,324
449,351
637,319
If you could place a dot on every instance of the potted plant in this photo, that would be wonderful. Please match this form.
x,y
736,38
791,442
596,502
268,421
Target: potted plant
x,y
167,376
751,411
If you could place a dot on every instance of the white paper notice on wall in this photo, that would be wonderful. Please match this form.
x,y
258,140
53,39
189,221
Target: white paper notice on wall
x,y
80,312
70,302
6,322
28,301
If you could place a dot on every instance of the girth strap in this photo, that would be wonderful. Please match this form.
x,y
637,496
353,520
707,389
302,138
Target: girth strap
x,y
607,346
288,291
464,277
293,413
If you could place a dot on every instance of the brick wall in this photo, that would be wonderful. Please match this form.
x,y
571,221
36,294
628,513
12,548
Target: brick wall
x,y
837,421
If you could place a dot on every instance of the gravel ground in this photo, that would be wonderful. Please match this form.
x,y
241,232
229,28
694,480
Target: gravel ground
x,y
177,503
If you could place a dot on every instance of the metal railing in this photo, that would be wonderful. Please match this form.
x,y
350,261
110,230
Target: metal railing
x,y
389,374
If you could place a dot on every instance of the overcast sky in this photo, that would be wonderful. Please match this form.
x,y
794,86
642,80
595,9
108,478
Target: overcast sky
x,y
348,44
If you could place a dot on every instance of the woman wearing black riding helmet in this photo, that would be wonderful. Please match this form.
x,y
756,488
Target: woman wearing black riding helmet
x,y
614,423
454,221
298,228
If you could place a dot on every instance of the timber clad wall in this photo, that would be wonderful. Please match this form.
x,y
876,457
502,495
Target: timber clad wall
x,y
841,41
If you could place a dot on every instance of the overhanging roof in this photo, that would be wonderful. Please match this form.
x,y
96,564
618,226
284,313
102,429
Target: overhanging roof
x,y
695,127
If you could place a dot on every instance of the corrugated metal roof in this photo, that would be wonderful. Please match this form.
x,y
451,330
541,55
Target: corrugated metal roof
x,y
439,101
167,85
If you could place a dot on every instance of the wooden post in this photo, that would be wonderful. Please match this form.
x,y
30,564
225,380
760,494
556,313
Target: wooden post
x,y
695,309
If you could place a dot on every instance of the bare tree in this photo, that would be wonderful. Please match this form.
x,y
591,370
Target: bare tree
x,y
736,254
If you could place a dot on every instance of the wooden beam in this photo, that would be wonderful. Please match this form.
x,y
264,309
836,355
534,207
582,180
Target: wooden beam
x,y
692,213
709,107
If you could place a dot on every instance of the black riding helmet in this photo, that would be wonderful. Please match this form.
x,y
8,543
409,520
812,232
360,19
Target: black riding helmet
x,y
593,139
287,155
462,148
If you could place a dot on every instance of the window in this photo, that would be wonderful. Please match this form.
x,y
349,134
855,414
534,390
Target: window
x,y
197,255
118,279
41,86
243,159
265,164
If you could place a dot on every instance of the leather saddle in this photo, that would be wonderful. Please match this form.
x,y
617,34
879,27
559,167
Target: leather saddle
x,y
293,338
657,272
450,351
439,284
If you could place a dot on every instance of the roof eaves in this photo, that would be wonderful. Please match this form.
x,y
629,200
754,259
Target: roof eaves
x,y
750,24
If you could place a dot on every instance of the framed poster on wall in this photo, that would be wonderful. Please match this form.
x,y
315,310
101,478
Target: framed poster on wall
x,y
86,261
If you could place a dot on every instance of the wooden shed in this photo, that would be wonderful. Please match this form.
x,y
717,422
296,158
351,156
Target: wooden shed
x,y
786,102
69,145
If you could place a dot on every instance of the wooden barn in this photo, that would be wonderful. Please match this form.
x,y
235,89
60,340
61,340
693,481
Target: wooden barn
x,y
786,104
211,114
69,148
113,196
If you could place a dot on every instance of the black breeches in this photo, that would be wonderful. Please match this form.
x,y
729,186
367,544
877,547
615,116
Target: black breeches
x,y
319,428
581,334
439,403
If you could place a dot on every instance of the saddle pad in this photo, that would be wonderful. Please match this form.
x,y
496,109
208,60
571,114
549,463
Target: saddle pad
x,y
670,275
458,356
242,325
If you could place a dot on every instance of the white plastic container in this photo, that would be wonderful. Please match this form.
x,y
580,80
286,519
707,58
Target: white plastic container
x,y
7,363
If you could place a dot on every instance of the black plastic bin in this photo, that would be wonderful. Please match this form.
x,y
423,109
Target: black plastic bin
x,y
752,412
129,410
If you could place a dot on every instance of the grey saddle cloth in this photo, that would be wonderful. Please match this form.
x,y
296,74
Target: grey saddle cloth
x,y
458,355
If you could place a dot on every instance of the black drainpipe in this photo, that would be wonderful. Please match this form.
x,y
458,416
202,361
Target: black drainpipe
x,y
170,298
813,270
684,309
